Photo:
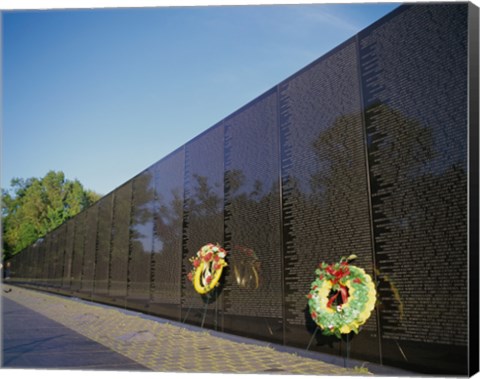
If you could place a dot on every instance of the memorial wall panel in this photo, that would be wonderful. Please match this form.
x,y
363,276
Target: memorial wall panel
x,y
34,258
67,273
25,264
32,263
57,261
44,243
38,262
168,175
43,246
90,250
325,189
30,271
253,291
52,252
49,246
51,239
117,288
78,251
102,262
202,219
20,266
44,250
29,262
60,255
141,240
414,76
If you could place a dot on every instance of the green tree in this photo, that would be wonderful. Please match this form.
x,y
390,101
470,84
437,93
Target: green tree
x,y
34,207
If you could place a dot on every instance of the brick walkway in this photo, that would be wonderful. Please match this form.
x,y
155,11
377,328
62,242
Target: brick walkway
x,y
160,346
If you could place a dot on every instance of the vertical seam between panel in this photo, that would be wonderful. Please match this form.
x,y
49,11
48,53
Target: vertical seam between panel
x,y
368,182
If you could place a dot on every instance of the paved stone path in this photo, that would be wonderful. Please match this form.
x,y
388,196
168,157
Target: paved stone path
x,y
31,340
164,347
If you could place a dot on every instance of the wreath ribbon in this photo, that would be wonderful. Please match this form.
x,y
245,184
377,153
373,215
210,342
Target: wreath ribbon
x,y
343,291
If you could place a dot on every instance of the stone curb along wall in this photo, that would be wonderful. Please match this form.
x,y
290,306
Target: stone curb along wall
x,y
364,151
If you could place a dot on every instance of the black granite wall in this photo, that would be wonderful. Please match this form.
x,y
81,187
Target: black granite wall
x,y
364,151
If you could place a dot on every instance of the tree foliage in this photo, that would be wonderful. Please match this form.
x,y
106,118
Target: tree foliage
x,y
33,207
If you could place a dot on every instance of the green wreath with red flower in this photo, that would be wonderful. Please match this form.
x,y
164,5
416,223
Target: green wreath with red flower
x,y
341,297
207,269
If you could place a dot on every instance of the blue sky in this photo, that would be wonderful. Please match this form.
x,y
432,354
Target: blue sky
x,y
102,94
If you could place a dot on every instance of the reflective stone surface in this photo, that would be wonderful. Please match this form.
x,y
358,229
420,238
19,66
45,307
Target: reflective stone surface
x,y
253,290
69,242
88,276
166,267
103,252
202,220
364,151
117,284
417,150
59,260
324,187
78,252
141,240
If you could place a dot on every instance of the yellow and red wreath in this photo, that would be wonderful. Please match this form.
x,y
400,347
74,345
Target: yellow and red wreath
x,y
207,269
341,298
